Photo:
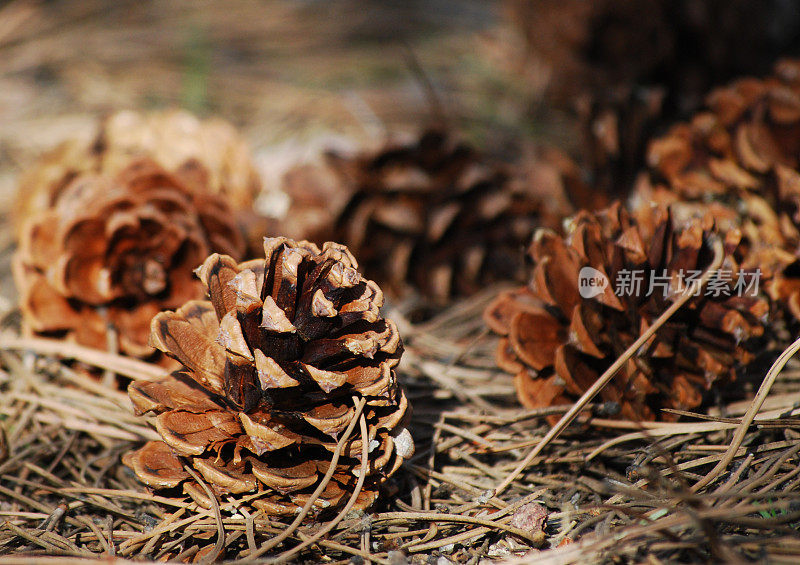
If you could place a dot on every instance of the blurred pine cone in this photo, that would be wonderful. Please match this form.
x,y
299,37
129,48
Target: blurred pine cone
x,y
623,68
558,343
742,153
437,216
113,252
208,155
273,364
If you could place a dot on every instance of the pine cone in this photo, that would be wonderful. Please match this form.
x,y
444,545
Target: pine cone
x,y
115,252
750,130
437,216
630,67
271,364
208,155
558,343
742,153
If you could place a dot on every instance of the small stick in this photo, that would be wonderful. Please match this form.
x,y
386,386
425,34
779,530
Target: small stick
x,y
111,549
365,546
457,538
405,517
112,346
54,518
220,543
437,108
249,529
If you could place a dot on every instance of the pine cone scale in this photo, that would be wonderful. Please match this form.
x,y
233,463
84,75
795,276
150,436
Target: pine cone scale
x,y
156,465
47,310
229,477
192,347
540,329
190,433
285,479
169,394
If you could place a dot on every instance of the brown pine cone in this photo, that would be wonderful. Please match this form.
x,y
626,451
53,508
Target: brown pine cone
x,y
113,252
623,69
437,216
743,152
272,364
749,132
208,155
558,343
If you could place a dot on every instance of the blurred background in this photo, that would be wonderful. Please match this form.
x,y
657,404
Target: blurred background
x,y
280,70
298,76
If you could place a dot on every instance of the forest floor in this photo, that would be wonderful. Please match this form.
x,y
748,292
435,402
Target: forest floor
x,y
296,77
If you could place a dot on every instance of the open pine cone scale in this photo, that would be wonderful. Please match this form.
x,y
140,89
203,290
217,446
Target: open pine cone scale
x,y
272,366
